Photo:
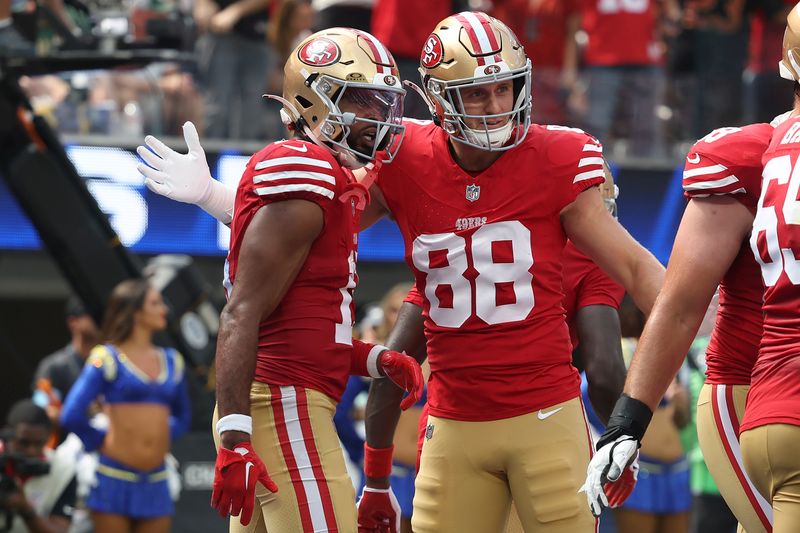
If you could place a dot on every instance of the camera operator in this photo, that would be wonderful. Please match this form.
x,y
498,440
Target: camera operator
x,y
37,488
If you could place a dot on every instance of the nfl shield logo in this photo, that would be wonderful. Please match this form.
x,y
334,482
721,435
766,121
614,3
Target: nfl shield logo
x,y
473,192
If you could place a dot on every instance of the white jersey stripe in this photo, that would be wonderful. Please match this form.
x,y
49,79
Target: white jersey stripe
x,y
291,418
589,174
703,171
733,441
294,174
586,161
740,190
280,189
279,161
592,148
713,184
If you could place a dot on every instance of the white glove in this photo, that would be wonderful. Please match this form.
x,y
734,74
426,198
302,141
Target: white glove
x,y
185,177
606,467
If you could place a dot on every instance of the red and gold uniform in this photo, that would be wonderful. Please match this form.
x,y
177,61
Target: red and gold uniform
x,y
770,429
486,252
727,162
304,346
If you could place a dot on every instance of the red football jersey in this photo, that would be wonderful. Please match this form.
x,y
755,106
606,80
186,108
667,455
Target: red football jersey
x,y
620,32
307,340
774,396
586,284
486,254
727,161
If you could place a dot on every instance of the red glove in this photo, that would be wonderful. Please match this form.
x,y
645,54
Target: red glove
x,y
406,373
378,511
618,491
235,476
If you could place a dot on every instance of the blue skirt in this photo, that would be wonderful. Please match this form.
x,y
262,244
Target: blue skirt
x,y
662,488
125,491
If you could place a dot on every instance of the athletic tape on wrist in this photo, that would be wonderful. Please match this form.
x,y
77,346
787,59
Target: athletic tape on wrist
x,y
372,361
378,461
235,422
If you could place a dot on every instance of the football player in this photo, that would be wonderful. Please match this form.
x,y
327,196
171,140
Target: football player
x,y
285,345
486,202
722,179
769,430
491,202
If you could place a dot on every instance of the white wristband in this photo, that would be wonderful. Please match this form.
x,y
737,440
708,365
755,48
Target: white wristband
x,y
235,422
372,361
218,201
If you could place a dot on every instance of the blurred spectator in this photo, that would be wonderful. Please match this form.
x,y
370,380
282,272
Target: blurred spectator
x,y
710,513
145,393
11,42
767,94
235,60
44,487
624,74
404,26
717,36
291,24
343,13
58,371
547,28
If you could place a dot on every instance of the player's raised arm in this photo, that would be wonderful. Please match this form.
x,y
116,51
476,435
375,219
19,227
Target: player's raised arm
x,y
185,177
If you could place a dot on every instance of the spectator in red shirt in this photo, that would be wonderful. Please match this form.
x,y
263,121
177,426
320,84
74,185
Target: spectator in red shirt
x,y
403,26
766,93
623,60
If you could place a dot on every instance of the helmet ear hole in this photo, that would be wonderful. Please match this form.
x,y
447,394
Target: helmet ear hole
x,y
303,101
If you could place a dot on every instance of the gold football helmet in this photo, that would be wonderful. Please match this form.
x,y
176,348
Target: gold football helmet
x,y
789,65
471,51
340,65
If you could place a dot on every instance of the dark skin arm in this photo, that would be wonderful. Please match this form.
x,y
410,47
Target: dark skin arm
x,y
383,404
601,354
274,249
16,502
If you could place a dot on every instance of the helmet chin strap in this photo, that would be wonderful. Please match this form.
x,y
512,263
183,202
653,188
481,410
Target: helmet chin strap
x,y
497,137
290,115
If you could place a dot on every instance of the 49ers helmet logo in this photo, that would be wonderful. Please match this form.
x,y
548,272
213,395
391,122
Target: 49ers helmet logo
x,y
320,52
432,53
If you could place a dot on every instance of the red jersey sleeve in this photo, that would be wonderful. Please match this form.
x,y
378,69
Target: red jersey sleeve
x,y
293,169
414,297
727,161
577,157
599,289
